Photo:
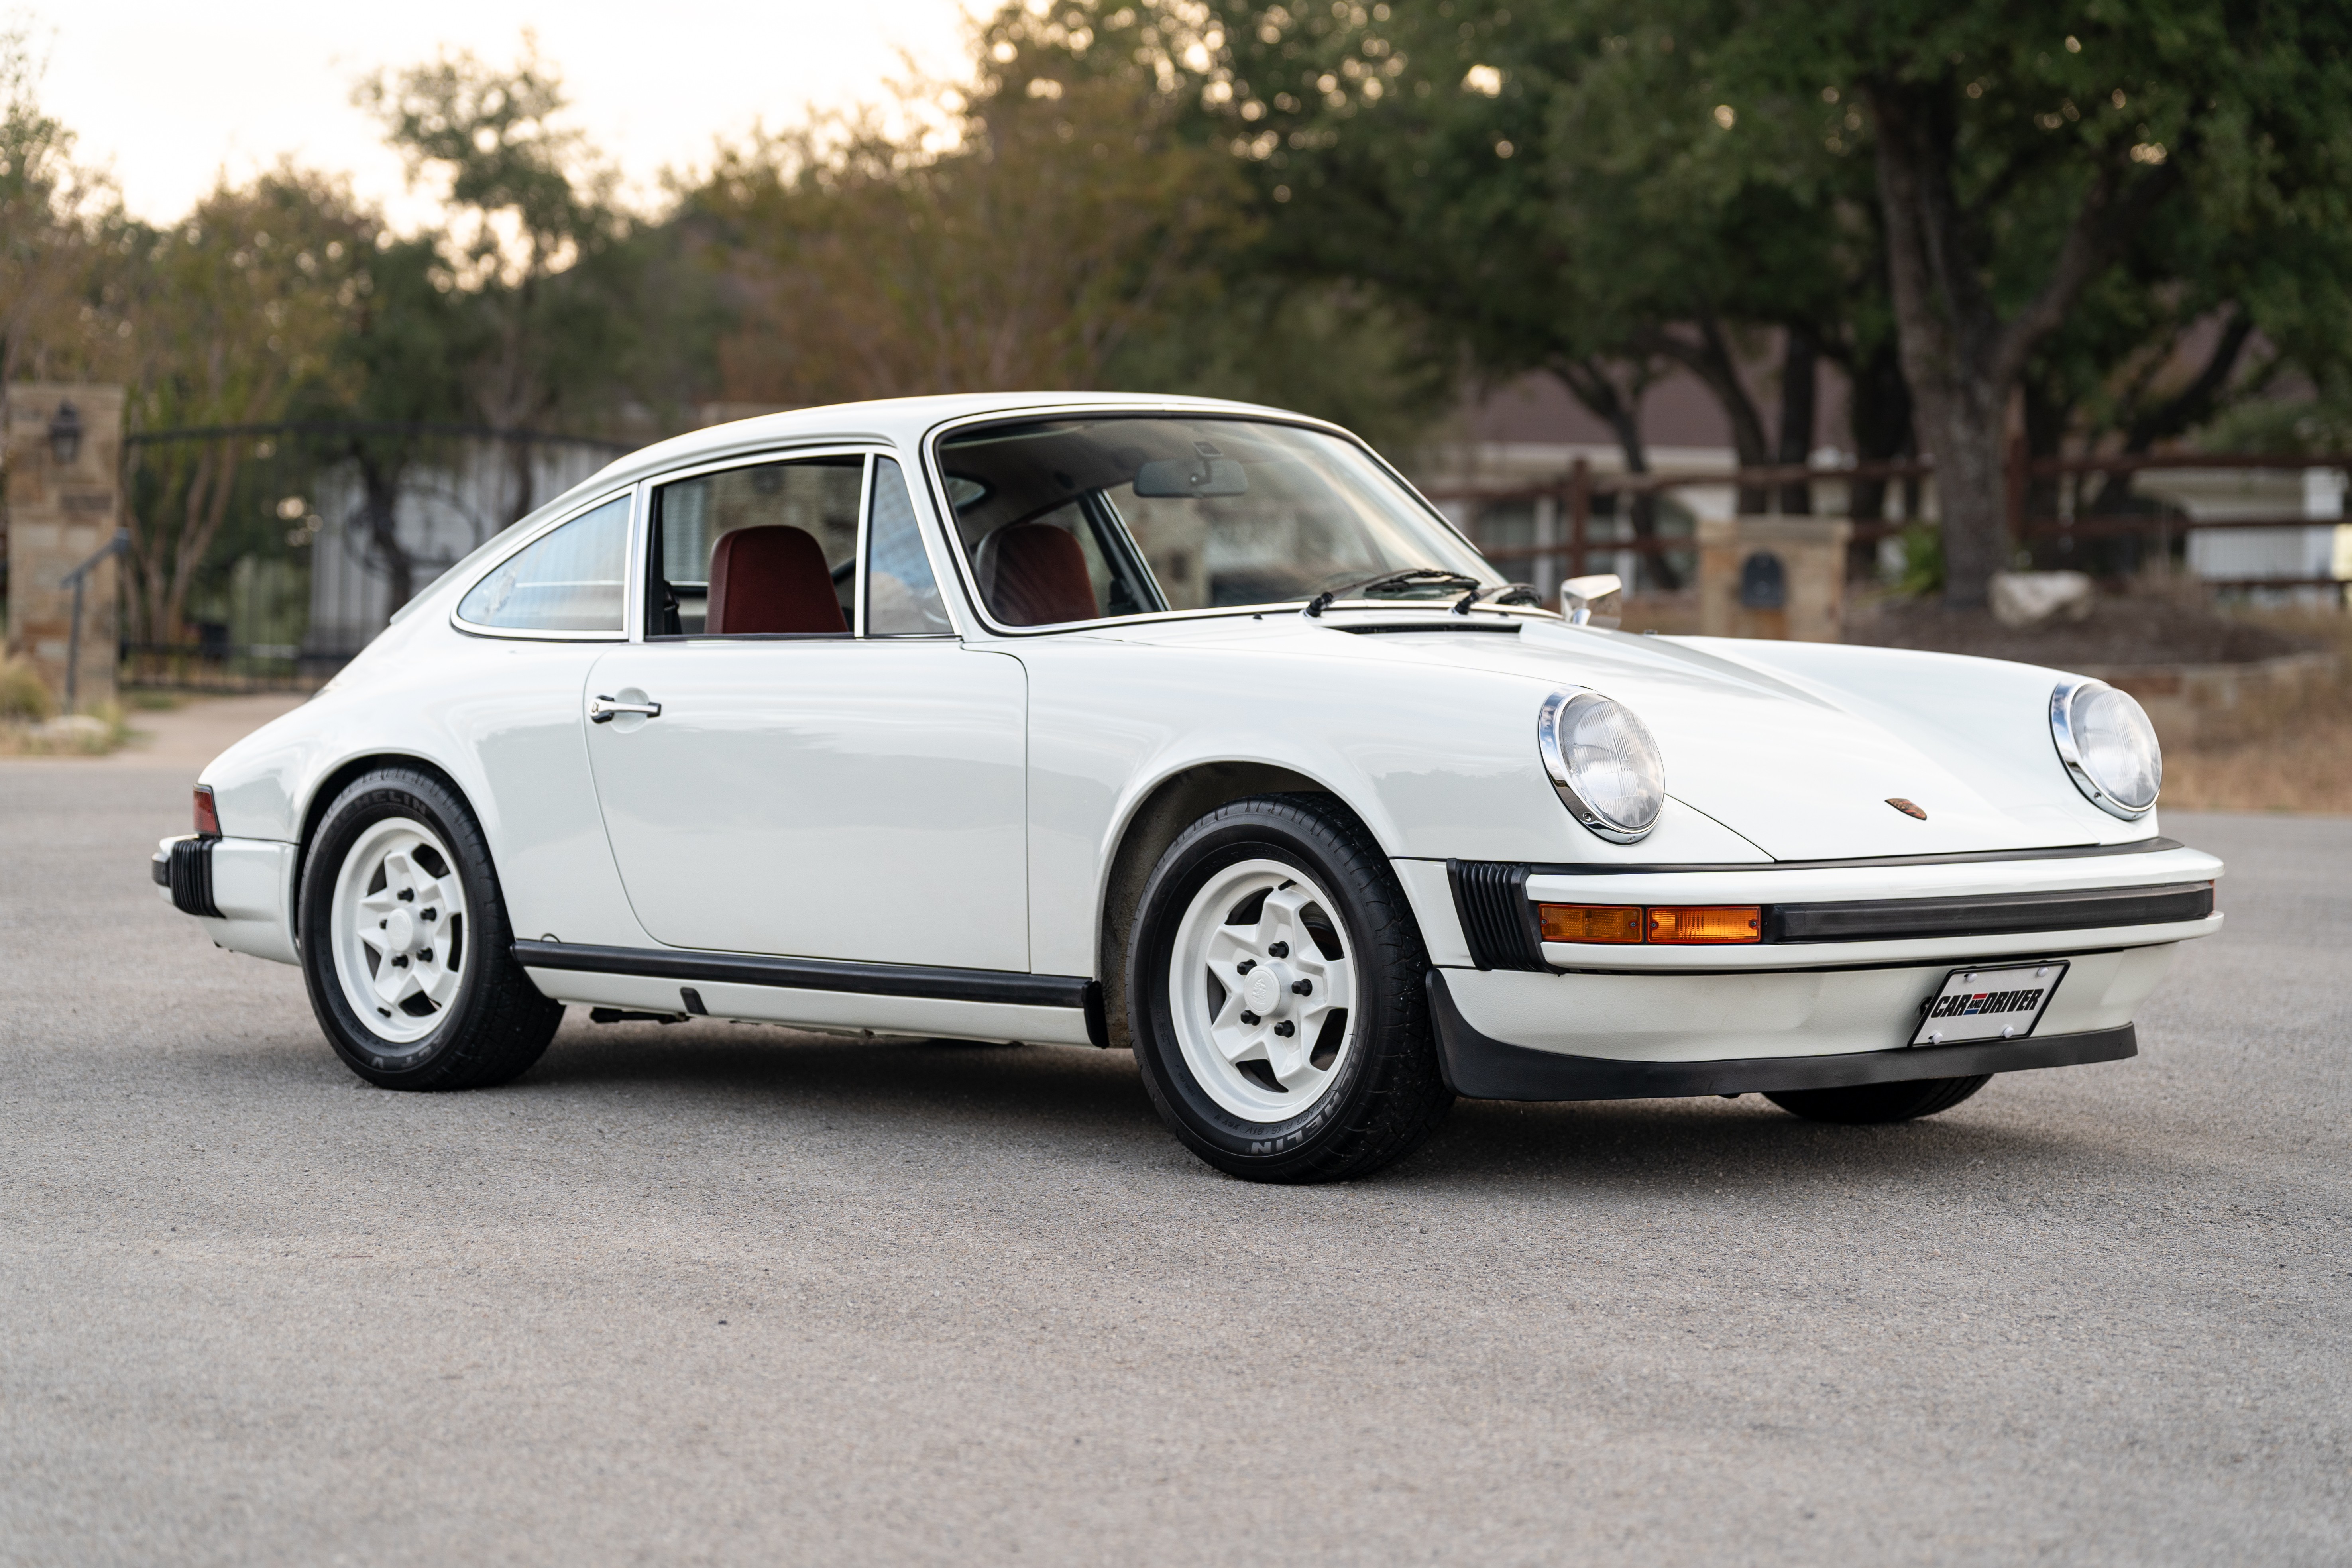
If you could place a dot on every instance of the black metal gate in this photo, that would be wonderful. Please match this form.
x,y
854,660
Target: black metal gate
x,y
262,557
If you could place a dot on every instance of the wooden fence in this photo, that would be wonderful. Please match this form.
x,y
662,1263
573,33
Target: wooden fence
x,y
1575,492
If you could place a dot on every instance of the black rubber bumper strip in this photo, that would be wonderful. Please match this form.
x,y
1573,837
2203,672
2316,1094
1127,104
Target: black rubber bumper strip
x,y
2000,914
1008,987
186,868
1481,1067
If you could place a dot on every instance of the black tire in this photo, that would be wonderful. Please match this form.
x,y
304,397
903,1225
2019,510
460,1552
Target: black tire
x,y
1389,1093
497,1023
1864,1104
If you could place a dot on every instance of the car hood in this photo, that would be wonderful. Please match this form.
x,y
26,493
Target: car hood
x,y
1801,766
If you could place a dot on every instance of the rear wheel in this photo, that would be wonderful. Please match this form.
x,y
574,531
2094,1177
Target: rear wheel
x,y
405,945
1275,996
1871,1102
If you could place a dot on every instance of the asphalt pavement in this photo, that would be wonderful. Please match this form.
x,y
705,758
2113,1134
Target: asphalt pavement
x,y
717,1293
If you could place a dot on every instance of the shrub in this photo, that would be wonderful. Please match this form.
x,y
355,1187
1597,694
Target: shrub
x,y
24,695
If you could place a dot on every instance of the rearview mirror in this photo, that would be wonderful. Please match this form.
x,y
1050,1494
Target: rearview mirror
x,y
1579,597
1185,476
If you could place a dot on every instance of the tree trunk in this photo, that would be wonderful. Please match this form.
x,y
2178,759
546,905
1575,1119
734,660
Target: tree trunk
x,y
2191,406
1962,359
380,511
1879,410
1943,323
1799,382
2048,416
1880,407
1589,384
1710,360
1969,425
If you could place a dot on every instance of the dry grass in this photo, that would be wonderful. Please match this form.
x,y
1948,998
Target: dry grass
x,y
2299,760
92,734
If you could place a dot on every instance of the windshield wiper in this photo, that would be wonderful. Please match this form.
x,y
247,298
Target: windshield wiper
x,y
1502,593
1412,576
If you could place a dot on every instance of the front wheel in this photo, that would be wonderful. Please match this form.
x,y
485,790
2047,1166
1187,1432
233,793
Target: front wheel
x,y
1864,1104
1274,986
405,945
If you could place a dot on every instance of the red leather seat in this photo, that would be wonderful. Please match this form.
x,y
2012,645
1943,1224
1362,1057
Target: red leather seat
x,y
1041,576
771,578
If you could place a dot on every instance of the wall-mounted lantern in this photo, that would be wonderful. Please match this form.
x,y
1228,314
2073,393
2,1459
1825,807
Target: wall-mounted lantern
x,y
65,435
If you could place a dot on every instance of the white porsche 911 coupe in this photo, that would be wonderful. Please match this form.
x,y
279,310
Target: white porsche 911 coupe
x,y
1185,727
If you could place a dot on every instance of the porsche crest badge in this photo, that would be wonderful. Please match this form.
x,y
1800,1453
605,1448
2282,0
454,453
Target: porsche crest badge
x,y
1905,807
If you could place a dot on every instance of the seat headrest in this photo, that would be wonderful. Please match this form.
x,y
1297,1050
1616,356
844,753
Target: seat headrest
x,y
771,578
1040,576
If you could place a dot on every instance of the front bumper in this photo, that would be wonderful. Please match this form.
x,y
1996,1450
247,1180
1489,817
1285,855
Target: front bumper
x,y
1831,993
1487,1069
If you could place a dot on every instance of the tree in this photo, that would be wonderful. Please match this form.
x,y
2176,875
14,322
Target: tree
x,y
1548,189
1060,222
1926,192
231,312
396,371
535,243
2020,154
51,214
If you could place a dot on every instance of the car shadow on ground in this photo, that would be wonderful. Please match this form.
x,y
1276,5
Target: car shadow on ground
x,y
1094,1104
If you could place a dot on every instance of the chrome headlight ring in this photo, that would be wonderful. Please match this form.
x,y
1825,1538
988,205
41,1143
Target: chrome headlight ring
x,y
1621,815
2078,748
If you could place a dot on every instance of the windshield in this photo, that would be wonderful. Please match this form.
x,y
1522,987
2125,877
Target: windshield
x,y
1075,520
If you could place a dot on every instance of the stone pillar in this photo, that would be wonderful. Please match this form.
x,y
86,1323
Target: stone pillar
x,y
59,515
1773,576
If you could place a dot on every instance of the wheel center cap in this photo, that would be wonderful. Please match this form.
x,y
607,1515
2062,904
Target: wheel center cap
x,y
1262,989
401,929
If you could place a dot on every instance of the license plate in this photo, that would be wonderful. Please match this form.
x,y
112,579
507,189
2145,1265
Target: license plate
x,y
1989,1003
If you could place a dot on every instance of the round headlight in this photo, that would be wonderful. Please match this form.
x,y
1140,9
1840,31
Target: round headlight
x,y
2108,746
1604,761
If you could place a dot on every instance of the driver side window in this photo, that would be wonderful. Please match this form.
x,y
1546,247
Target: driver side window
x,y
765,548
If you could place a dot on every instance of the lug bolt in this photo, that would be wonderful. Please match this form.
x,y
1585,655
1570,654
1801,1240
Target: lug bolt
x,y
407,895
1302,988
1280,950
425,957
1250,1018
430,915
1244,966
399,963
1285,1029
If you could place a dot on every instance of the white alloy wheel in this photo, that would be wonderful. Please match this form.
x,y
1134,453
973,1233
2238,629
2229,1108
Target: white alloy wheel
x,y
399,934
1262,991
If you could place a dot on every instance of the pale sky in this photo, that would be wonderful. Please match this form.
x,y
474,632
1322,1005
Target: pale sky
x,y
167,94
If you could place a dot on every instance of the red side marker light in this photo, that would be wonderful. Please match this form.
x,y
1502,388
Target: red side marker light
x,y
207,814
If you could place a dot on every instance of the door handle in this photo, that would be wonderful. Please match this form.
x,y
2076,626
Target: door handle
x,y
603,709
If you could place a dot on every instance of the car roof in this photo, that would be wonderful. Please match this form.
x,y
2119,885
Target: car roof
x,y
900,422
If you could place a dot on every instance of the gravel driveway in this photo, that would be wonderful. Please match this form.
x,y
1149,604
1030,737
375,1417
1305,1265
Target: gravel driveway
x,y
722,1293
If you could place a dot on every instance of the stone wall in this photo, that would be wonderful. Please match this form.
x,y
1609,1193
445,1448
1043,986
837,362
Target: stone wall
x,y
1773,576
58,517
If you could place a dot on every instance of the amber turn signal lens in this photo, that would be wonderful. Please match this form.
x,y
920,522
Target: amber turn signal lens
x,y
207,814
1685,924
1590,922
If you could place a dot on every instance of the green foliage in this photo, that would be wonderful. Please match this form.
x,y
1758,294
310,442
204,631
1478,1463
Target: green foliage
x,y
233,314
1922,561
559,316
1057,232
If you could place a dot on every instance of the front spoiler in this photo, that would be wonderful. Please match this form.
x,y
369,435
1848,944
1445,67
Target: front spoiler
x,y
1480,1067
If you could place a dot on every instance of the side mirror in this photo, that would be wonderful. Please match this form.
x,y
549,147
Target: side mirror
x,y
1582,597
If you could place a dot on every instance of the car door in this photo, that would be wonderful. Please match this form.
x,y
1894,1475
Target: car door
x,y
799,757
